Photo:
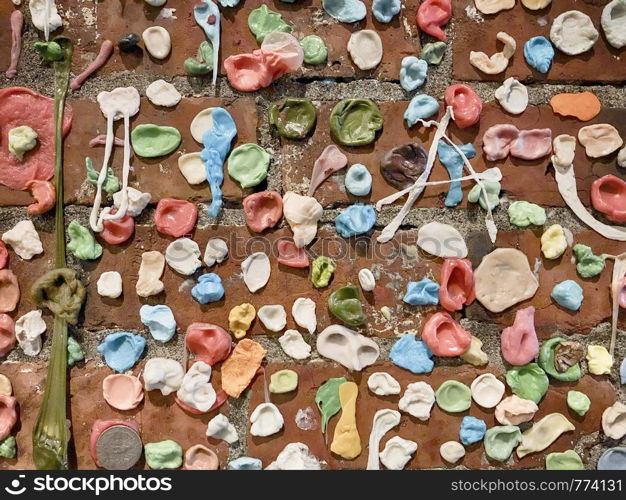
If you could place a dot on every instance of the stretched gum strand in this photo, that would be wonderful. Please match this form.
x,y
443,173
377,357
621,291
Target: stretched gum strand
x,y
17,23
106,49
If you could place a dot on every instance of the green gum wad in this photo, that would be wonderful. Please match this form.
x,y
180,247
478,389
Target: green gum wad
x,y
111,182
588,265
164,455
82,243
203,63
21,139
263,21
327,399
283,381
248,165
346,305
568,460
49,51
7,447
293,118
492,188
501,440
524,214
151,141
528,381
433,53
314,48
354,122
578,402
74,352
546,361
322,271
453,396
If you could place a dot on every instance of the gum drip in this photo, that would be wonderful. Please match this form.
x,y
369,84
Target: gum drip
x,y
619,271
202,15
17,23
46,26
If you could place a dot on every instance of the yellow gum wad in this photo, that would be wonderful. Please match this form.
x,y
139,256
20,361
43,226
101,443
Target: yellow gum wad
x,y
599,361
346,441
240,318
543,433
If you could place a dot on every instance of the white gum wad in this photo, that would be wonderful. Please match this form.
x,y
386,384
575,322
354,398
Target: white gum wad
x,y
499,61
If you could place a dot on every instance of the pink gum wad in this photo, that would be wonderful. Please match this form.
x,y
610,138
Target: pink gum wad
x,y
501,140
9,291
621,292
608,195
44,194
263,210
444,336
175,217
519,341
291,256
4,255
8,414
432,15
118,231
241,367
99,426
331,160
7,334
208,343
457,284
280,53
466,104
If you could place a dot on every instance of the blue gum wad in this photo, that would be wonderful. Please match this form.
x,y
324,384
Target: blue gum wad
x,y
208,289
385,10
539,52
413,72
245,463
160,321
472,430
613,459
422,293
345,11
163,455
568,294
122,350
356,219
422,106
358,180
622,371
453,162
412,354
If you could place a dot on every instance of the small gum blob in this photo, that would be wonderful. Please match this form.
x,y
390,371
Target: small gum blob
x,y
422,293
578,402
216,252
196,391
501,440
82,243
582,105
612,21
524,214
444,336
160,321
175,217
543,433
453,396
442,240
9,291
74,352
568,294
152,141
266,420
163,455
28,331
487,390
263,21
566,460
137,201
303,312
355,122
302,214
355,220
475,355
608,195
322,271
21,140
599,360
613,459
548,357
283,381
519,341
208,289
457,284
358,180
315,50
245,463
614,421
385,10
494,6
466,104
345,304
295,456
219,427
528,381
157,41
240,319
366,49
291,256
573,32
472,430
241,367
263,210
553,242
183,256
397,453
413,72
248,165
8,415
345,11
403,165
192,168
383,384
118,231
162,93
150,271
162,374
6,389
452,451
600,139
273,317
539,53
122,392
412,354
418,400
432,15
122,350
347,347
207,342
366,280
514,410
327,399
422,106
256,271
199,457
44,194
433,53
512,96
294,346
24,240
491,188
498,62
8,448
293,118
346,440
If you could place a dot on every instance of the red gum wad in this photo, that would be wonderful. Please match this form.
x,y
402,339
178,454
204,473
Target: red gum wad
x,y
263,210
444,336
457,284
